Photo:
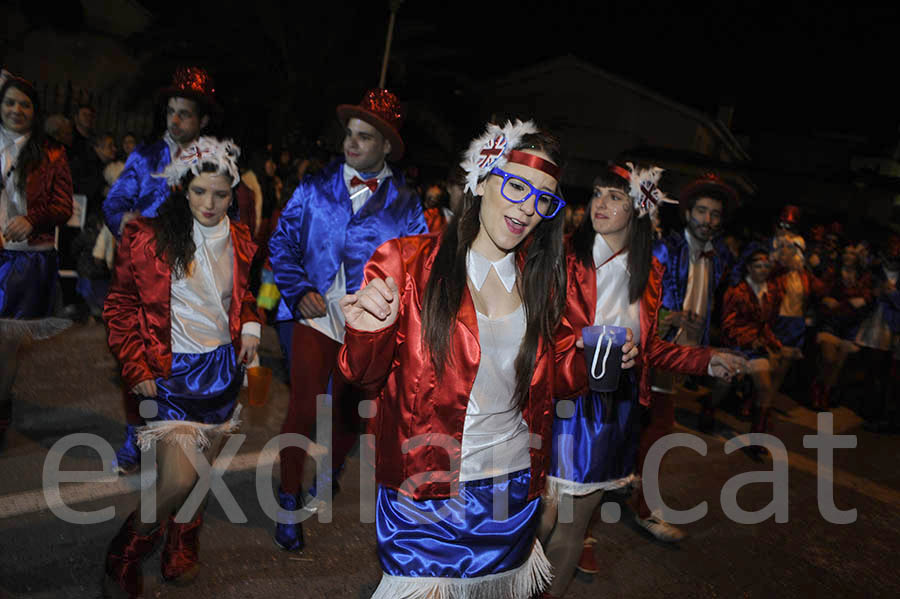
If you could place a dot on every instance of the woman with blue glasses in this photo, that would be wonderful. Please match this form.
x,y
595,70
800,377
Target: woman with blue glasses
x,y
456,334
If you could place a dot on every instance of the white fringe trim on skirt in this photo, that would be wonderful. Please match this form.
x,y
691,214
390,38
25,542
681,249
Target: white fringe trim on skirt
x,y
560,486
186,433
523,582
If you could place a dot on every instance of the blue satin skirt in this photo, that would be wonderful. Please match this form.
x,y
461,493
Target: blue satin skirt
x,y
202,388
599,442
28,283
457,537
790,330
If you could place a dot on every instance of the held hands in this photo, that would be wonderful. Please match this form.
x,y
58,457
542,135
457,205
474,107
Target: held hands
x,y
145,388
373,307
726,365
249,344
629,349
311,305
18,229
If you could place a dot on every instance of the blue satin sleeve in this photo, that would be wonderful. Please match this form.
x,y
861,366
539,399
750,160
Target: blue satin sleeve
x,y
136,190
416,224
286,253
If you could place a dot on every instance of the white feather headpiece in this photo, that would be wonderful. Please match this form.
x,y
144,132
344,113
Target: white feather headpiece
x,y
644,191
223,154
489,150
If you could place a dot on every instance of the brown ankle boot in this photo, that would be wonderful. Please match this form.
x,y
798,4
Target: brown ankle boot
x,y
180,556
126,552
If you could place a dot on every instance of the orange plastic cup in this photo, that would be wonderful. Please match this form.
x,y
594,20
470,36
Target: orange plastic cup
x,y
259,380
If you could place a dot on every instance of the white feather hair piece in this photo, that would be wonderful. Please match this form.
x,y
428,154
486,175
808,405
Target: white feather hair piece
x,y
223,154
489,150
644,189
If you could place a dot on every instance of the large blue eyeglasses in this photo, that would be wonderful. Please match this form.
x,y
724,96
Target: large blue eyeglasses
x,y
515,189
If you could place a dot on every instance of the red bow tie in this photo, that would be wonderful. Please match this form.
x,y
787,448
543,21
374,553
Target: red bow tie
x,y
711,254
372,183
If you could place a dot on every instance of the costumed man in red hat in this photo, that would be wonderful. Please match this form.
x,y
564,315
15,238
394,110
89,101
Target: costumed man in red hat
x,y
694,263
793,284
189,104
327,232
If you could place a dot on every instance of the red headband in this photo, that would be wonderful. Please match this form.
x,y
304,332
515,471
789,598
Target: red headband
x,y
533,161
620,171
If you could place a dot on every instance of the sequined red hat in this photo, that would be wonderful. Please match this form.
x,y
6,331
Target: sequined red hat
x,y
790,216
713,186
381,109
192,83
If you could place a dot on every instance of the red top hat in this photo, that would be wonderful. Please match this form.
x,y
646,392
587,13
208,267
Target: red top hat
x,y
790,215
192,83
381,109
713,186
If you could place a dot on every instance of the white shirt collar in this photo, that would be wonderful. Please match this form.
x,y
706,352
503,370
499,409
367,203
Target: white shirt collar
x,y
757,289
203,234
602,252
695,245
350,172
478,268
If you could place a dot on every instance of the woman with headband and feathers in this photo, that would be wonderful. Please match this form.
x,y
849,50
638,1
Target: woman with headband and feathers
x,y
181,321
612,280
456,335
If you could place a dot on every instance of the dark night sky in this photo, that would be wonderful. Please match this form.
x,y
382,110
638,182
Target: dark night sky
x,y
791,66
797,67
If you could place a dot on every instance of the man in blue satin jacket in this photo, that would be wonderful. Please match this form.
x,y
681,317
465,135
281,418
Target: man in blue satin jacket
x,y
190,101
327,232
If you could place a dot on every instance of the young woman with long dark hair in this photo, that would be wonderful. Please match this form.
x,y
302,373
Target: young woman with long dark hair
x,y
35,197
181,321
457,335
612,280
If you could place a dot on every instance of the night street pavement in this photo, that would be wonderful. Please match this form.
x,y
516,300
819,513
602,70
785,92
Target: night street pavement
x,y
69,385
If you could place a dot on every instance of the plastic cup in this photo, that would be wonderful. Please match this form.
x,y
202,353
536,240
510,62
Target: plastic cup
x,y
603,355
259,380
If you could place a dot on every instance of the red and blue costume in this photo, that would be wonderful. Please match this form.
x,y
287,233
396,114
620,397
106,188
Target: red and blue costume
x,y
419,430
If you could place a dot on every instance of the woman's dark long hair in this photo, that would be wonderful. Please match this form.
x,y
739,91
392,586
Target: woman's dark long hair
x,y
542,283
173,227
639,243
31,155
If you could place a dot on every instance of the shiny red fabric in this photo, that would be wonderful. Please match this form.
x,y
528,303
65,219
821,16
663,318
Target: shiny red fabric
x,y
581,302
745,319
180,554
138,312
125,554
419,420
48,191
434,218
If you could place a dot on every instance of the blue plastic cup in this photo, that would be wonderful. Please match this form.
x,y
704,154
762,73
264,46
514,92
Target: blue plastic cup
x,y
603,355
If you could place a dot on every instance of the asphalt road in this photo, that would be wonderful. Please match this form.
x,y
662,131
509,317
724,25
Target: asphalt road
x,y
69,385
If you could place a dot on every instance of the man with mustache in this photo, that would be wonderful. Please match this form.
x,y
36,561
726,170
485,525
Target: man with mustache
x,y
695,263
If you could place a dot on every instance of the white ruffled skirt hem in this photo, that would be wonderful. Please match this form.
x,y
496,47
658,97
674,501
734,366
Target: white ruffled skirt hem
x,y
524,582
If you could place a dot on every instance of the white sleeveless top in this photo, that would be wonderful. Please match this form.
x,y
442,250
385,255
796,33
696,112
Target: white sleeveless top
x,y
495,435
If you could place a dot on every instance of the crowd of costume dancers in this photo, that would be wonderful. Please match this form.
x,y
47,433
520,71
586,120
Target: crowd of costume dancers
x,y
464,323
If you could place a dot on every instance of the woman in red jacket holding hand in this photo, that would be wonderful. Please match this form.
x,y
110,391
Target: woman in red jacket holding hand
x,y
36,196
182,321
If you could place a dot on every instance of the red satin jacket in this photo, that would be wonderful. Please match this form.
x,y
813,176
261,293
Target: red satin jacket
x,y
419,422
745,319
581,302
137,309
48,190
434,218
